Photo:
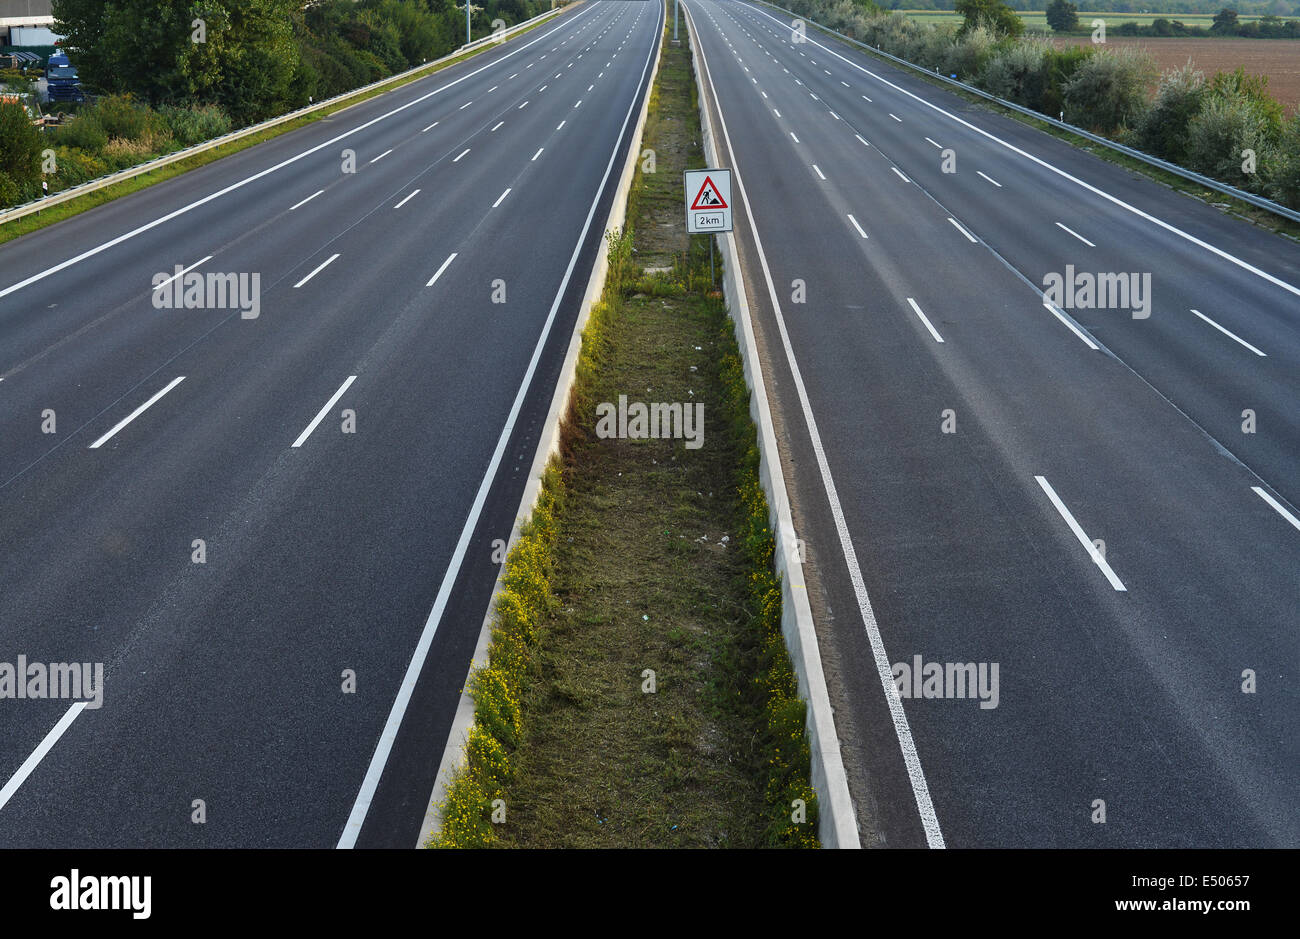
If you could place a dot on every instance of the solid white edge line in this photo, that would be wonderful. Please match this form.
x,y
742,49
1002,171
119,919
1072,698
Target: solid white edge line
x,y
857,226
163,219
438,273
1075,234
1295,522
1115,200
969,237
305,201
369,785
1079,533
884,668
1060,315
136,413
45,746
501,198
926,320
323,411
1228,333
190,268
326,264
407,199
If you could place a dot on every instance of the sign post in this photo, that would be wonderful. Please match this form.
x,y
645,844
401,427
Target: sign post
x,y
708,205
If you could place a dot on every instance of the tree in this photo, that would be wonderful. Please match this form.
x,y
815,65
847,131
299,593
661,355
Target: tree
x,y
1109,90
993,14
240,54
20,145
1162,131
1225,22
1062,16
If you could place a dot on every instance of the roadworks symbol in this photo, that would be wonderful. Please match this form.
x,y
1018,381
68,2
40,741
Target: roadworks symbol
x,y
708,197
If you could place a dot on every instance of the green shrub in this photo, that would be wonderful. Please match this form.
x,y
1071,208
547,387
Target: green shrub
x,y
1061,65
1109,90
1162,132
1253,89
120,116
967,56
84,133
20,146
75,166
1019,74
10,192
197,124
1282,176
1217,136
929,47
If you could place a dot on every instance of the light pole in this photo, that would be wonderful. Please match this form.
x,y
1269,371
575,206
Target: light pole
x,y
674,20
468,37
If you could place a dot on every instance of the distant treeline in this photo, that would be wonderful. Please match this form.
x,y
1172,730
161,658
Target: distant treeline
x,y
258,58
161,80
1267,27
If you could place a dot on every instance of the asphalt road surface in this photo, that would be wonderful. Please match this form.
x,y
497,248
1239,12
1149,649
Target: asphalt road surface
x,y
347,456
1072,493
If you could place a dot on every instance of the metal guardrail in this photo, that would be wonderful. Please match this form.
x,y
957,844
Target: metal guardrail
x,y
102,182
1258,201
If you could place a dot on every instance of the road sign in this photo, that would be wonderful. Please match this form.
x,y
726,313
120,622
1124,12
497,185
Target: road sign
x,y
708,201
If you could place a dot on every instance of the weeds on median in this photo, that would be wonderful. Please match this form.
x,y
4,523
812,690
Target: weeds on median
x,y
638,691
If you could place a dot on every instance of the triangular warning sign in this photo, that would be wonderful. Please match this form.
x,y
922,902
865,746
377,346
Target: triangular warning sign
x,y
708,197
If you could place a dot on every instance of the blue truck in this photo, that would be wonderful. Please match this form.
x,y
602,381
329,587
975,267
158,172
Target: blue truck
x,y
61,79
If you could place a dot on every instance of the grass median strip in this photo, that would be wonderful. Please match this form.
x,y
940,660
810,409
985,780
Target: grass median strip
x,y
638,692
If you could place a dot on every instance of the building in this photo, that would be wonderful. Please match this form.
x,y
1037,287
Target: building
x,y
26,23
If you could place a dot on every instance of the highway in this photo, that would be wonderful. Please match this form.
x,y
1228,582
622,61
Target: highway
x,y
346,457
984,476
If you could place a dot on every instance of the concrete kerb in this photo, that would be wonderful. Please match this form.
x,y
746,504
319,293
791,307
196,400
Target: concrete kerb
x,y
838,827
94,185
453,756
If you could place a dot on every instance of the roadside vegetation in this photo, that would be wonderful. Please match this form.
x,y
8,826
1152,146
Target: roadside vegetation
x,y
158,83
1226,126
638,692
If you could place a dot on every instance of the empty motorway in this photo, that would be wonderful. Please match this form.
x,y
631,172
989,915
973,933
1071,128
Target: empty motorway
x,y
273,522
1100,502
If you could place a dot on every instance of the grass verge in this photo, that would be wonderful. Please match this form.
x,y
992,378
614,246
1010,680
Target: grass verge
x,y
638,692
65,210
